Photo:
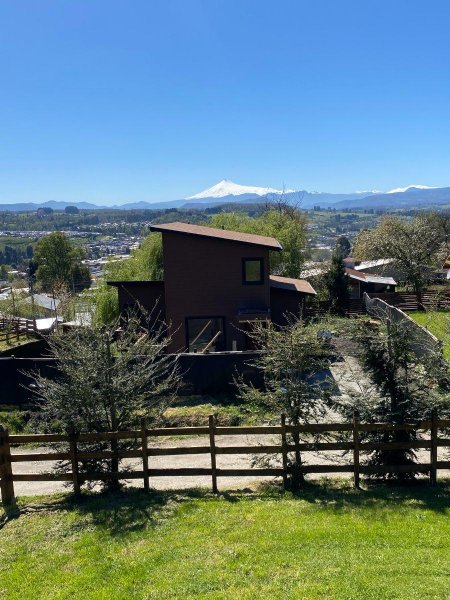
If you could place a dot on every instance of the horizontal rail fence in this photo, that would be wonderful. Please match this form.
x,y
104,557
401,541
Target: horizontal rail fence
x,y
406,301
15,328
74,456
423,342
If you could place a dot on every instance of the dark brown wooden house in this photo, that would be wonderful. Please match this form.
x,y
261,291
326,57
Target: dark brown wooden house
x,y
216,284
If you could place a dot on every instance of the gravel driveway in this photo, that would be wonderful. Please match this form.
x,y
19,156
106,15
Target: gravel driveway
x,y
230,461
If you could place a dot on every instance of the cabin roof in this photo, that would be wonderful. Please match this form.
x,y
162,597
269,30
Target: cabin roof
x,y
369,277
295,285
222,234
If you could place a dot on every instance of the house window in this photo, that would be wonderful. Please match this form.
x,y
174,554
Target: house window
x,y
252,271
205,334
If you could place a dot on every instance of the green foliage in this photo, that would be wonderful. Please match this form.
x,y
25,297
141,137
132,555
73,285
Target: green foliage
x,y
14,251
343,246
106,383
71,210
145,264
436,322
15,421
408,386
337,285
329,542
294,361
416,247
287,225
291,359
58,262
106,303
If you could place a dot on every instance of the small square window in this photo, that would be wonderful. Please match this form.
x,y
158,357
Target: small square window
x,y
252,271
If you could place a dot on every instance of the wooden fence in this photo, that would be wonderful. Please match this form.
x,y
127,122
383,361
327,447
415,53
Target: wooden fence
x,y
355,431
422,341
14,329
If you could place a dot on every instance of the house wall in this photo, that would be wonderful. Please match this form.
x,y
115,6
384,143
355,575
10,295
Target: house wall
x,y
148,294
203,278
355,289
284,303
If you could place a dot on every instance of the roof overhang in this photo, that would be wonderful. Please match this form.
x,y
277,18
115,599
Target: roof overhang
x,y
219,234
133,283
300,286
369,277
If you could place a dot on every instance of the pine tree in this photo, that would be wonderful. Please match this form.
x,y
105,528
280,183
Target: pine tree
x,y
410,381
336,283
106,381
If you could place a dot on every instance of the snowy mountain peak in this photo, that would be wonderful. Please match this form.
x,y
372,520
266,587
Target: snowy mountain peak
x,y
228,188
411,187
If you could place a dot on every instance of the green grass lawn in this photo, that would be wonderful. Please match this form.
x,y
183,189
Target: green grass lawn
x,y
438,323
328,542
14,343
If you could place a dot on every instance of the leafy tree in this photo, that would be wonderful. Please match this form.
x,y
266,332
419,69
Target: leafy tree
x,y
410,381
293,362
343,246
286,224
415,247
58,260
337,285
71,210
106,383
146,263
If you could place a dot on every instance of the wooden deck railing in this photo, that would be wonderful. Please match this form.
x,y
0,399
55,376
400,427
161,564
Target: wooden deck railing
x,y
74,455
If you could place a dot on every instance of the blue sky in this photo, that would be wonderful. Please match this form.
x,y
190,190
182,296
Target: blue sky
x,y
117,101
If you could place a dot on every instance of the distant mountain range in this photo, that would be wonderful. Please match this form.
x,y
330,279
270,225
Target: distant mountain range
x,y
226,192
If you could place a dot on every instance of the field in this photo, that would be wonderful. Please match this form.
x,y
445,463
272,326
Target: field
x,y
327,542
438,323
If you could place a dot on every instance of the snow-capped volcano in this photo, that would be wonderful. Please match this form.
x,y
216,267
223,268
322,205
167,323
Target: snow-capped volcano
x,y
411,187
229,188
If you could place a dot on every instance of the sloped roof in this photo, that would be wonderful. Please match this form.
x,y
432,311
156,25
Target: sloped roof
x,y
369,277
295,285
44,301
368,264
222,234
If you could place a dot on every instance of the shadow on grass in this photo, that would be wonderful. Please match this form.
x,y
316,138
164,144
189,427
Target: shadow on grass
x,y
340,495
123,512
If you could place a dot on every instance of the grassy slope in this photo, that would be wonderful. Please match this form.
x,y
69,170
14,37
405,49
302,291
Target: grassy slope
x,y
327,543
438,323
13,343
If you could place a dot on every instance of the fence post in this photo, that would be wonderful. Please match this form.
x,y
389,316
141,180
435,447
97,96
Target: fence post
x,y
145,454
73,436
284,451
356,449
6,474
212,445
433,449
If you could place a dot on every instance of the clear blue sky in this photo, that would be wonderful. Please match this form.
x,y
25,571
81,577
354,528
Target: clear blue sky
x,y
116,101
